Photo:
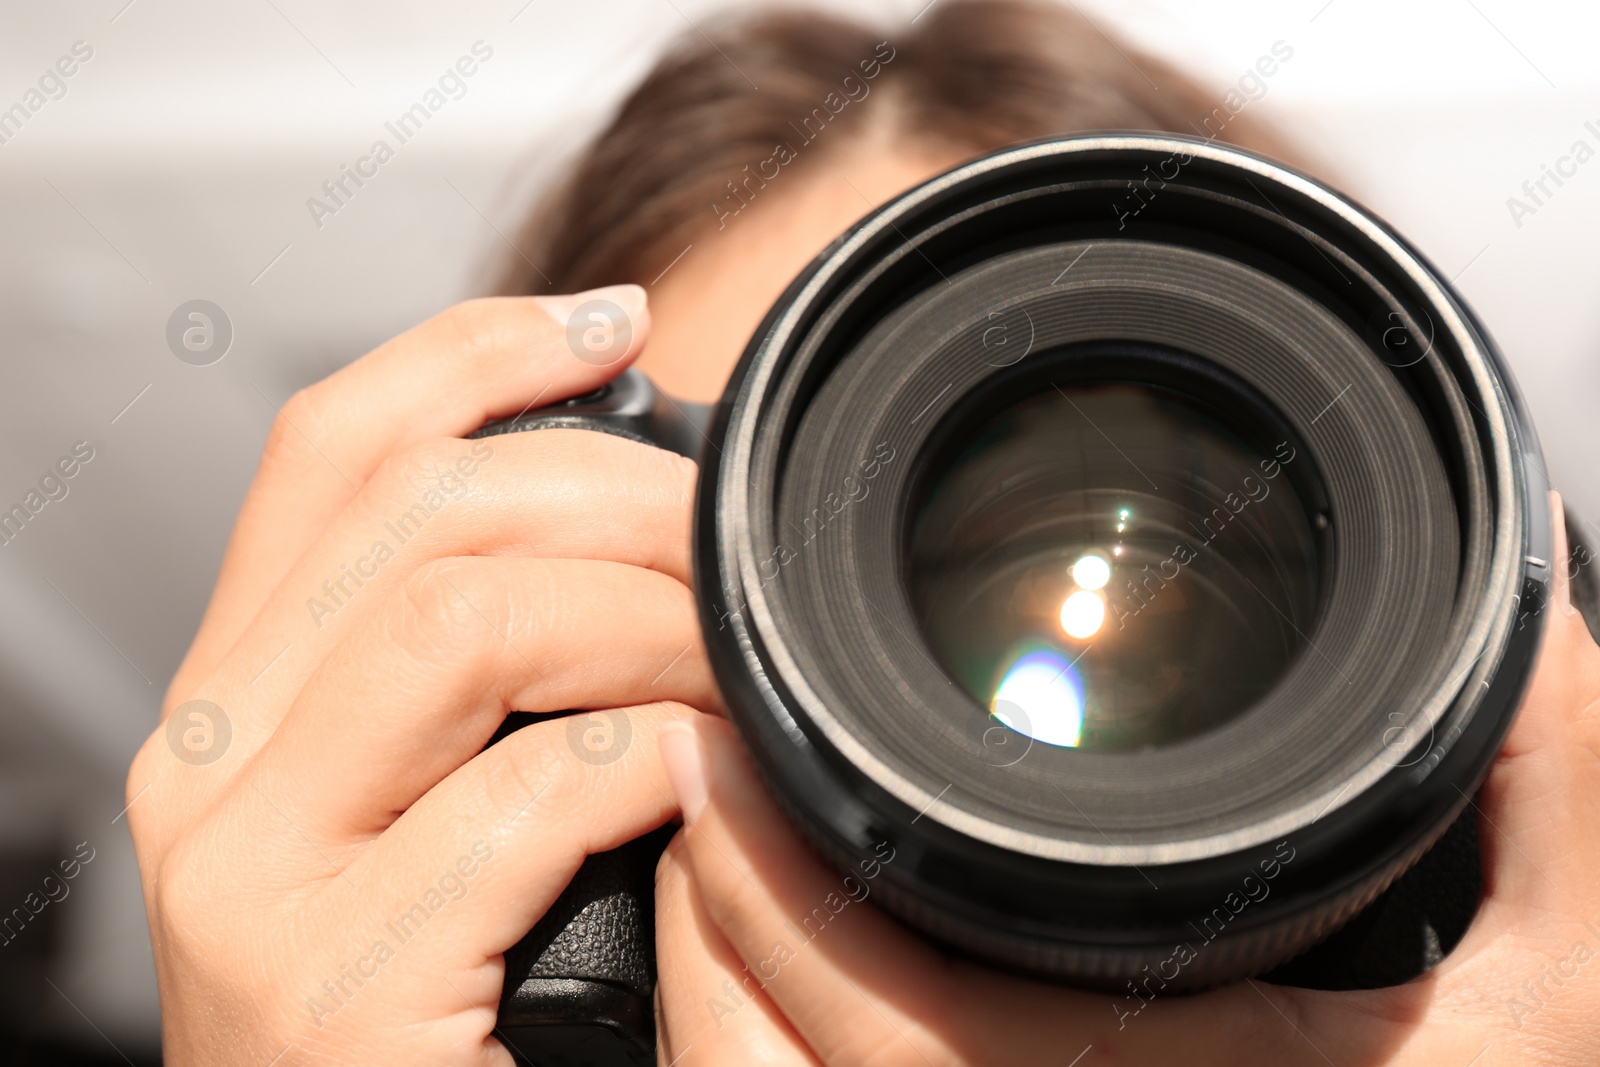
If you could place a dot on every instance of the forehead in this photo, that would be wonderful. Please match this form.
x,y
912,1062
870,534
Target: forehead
x,y
704,307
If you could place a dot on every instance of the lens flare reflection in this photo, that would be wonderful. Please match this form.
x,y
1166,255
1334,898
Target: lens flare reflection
x,y
1082,613
1091,571
1043,685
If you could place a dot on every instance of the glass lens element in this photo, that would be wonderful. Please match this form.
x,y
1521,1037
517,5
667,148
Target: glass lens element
x,y
1110,567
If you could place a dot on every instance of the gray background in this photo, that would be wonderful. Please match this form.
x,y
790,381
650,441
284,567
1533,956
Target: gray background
x,y
178,165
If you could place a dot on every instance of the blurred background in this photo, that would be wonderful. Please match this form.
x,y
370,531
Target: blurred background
x,y
176,166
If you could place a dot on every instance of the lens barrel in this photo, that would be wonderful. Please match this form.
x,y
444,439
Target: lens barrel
x,y
1137,541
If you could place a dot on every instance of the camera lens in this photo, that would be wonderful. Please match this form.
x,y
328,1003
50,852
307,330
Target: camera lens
x,y
1130,533
1108,566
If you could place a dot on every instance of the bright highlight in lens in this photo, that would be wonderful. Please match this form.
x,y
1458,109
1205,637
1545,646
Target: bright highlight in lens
x,y
1091,572
1082,614
1041,697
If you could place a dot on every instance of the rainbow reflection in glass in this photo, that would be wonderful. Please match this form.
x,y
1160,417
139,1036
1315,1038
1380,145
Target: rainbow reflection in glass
x,y
1041,696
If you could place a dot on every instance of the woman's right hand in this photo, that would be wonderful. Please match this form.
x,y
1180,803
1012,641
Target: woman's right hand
x,y
332,867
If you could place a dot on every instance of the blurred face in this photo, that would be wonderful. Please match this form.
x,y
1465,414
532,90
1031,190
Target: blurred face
x,y
706,306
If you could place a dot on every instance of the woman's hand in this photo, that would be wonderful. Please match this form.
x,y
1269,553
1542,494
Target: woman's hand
x,y
331,867
740,986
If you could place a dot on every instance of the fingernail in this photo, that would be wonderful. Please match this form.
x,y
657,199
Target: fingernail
x,y
602,323
684,759
630,299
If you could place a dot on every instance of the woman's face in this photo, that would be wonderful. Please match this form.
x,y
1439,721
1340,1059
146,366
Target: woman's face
x,y
705,307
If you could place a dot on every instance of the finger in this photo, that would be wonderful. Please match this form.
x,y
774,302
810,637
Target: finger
x,y
415,925
860,989
1543,791
712,1010
550,493
528,810
476,361
421,686
773,901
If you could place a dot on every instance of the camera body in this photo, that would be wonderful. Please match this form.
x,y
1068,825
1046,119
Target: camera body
x,y
967,392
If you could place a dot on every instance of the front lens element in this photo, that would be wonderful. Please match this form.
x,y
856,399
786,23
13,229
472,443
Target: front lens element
x,y
1109,566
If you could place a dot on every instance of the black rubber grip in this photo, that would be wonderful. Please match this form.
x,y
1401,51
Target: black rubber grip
x,y
580,987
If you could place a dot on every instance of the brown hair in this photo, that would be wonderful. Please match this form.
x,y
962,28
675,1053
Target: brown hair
x,y
753,93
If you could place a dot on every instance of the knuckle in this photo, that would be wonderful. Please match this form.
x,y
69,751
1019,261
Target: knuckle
x,y
529,772
298,412
421,476
675,478
450,610
680,474
182,898
141,772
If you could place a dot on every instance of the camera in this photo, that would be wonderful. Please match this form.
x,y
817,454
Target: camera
x,y
1139,539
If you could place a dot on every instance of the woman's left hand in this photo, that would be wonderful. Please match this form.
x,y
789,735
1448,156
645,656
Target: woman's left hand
x,y
744,982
